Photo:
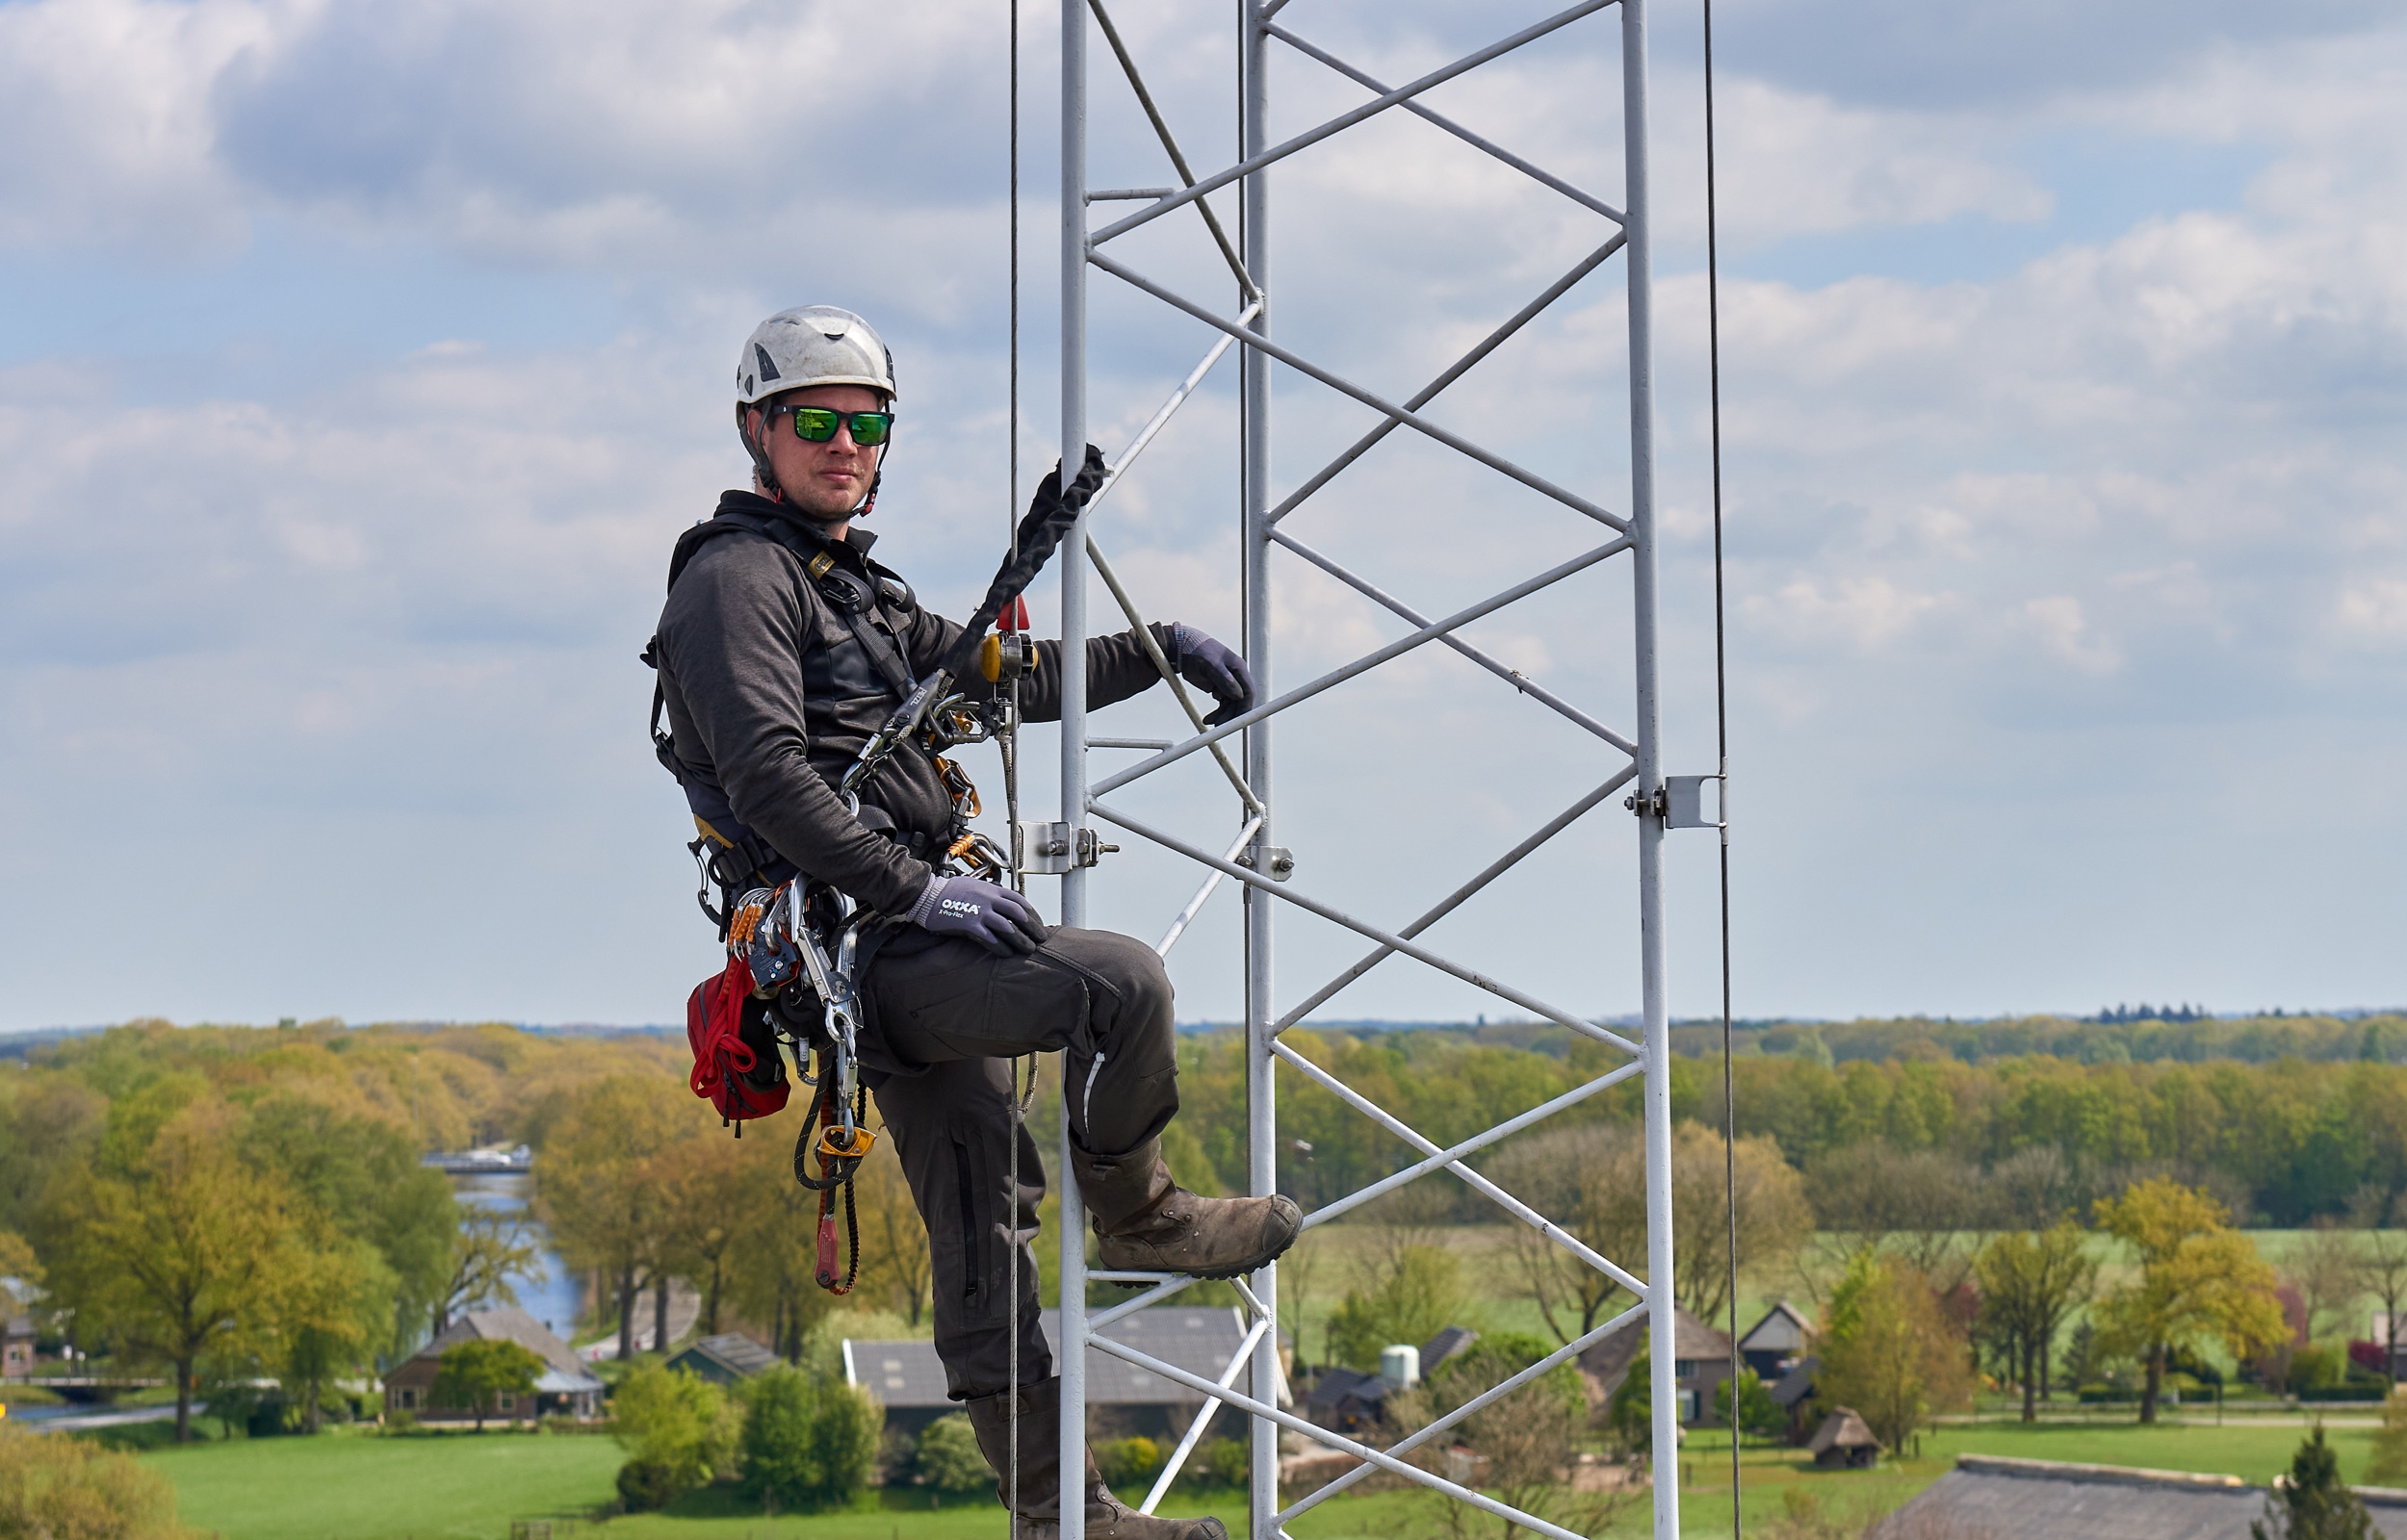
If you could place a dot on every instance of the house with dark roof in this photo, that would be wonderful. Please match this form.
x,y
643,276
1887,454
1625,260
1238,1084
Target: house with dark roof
x,y
907,1379
1448,1342
2005,1498
1701,1363
1348,1400
1794,1394
1773,1345
566,1388
725,1359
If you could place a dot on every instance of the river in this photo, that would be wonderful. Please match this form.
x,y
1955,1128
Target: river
x,y
553,1294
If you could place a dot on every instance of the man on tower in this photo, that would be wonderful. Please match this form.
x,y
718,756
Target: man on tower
x,y
781,651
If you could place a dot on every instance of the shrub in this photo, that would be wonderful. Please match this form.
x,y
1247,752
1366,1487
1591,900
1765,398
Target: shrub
x,y
1758,1412
69,1488
271,1415
1806,1515
2320,1366
678,1427
2389,1443
950,1458
2188,1360
1128,1461
1629,1417
1524,1439
2314,1505
645,1486
2352,1395
898,1457
1219,1462
1419,1296
807,1444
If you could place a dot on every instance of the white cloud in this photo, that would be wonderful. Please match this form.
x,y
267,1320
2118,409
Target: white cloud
x,y
2063,631
2372,614
110,127
1866,613
1802,162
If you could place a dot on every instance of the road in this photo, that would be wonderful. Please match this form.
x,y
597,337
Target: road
x,y
76,1420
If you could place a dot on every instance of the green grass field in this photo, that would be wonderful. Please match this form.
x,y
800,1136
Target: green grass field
x,y
350,1487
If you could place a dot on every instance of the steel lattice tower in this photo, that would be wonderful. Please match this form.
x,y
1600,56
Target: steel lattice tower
x,y
1629,757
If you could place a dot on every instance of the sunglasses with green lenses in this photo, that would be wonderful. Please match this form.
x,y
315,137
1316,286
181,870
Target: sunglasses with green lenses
x,y
817,424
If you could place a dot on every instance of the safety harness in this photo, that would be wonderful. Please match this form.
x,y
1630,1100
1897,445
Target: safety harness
x,y
793,943
729,857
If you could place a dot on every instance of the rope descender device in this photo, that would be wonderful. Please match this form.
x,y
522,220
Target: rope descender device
x,y
840,1112
835,1147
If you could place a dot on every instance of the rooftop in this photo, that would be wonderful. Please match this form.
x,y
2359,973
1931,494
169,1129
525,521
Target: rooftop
x,y
509,1323
906,1373
1784,1328
1607,1361
738,1354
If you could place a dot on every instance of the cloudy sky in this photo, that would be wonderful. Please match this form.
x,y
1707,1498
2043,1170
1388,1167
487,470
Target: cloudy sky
x,y
358,365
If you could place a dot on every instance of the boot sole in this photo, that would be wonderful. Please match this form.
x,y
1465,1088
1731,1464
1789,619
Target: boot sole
x,y
1235,1270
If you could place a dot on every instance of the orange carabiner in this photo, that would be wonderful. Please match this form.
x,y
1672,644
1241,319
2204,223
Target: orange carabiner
x,y
828,1146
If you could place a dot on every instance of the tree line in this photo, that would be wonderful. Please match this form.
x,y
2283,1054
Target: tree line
x,y
281,1165
1918,1138
228,1205
2119,1035
224,1241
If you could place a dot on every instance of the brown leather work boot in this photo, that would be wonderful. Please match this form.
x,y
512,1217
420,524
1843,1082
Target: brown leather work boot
x,y
1039,1515
1147,1223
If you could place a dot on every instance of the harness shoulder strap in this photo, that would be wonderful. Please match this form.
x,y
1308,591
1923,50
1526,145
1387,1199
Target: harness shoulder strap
x,y
884,653
855,604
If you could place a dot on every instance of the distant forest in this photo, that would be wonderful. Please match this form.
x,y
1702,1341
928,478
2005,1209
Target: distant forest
x,y
1901,1125
2120,1036
2117,1035
1914,1124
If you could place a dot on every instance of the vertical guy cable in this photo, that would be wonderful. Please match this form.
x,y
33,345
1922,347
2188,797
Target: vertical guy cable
x,y
1721,745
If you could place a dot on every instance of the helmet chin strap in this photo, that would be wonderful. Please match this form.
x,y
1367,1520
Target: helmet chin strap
x,y
762,473
767,478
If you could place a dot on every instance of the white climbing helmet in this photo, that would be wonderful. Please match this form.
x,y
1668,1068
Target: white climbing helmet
x,y
814,345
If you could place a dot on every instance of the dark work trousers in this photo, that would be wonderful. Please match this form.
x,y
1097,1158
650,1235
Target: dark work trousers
x,y
956,1013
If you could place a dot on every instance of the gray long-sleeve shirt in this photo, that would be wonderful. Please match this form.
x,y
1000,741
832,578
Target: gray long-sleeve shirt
x,y
770,696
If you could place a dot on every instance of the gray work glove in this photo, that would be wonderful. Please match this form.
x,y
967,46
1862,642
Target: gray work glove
x,y
988,913
1207,666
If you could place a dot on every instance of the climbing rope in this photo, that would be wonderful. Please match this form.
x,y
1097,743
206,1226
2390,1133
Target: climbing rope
x,y
840,1154
1722,743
